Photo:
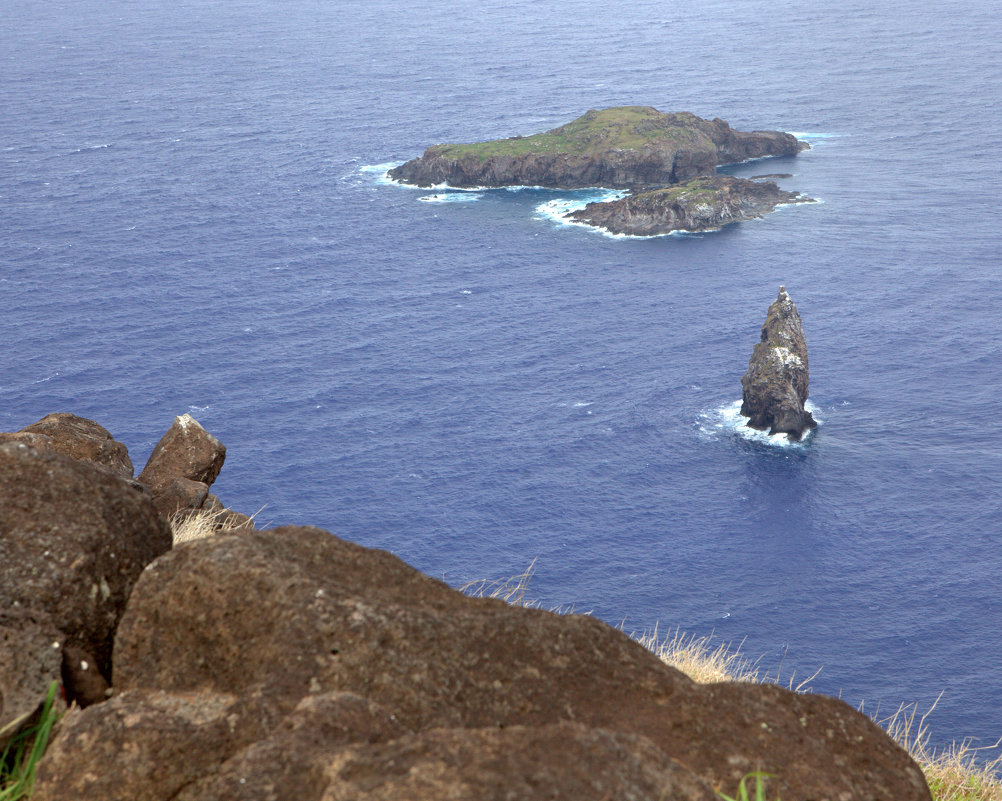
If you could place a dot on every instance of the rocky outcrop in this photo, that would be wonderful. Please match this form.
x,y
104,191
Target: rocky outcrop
x,y
75,533
30,660
775,387
183,465
702,204
627,147
292,664
78,438
530,763
73,540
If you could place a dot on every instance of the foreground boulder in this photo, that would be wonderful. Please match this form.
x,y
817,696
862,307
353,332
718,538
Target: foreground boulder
x,y
702,204
183,465
78,438
73,540
301,666
529,763
30,660
627,147
775,387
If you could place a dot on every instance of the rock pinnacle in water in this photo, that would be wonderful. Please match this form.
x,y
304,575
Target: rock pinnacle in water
x,y
774,389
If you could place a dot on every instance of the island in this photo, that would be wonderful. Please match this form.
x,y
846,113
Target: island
x,y
633,148
702,204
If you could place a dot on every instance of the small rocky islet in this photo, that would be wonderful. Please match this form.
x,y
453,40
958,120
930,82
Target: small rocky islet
x,y
775,387
666,162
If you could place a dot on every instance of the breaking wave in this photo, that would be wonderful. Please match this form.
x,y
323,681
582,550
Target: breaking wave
x,y
727,420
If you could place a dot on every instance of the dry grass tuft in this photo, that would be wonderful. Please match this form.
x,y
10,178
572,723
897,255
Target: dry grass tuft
x,y
698,658
511,590
188,526
954,773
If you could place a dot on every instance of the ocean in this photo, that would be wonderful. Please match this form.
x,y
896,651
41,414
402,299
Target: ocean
x,y
194,218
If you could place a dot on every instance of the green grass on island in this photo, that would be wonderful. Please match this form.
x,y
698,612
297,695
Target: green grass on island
x,y
619,128
698,190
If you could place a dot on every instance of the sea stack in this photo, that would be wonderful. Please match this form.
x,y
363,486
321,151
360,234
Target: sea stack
x,y
774,390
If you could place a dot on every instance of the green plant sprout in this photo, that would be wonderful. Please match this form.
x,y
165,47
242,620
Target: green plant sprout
x,y
743,795
25,749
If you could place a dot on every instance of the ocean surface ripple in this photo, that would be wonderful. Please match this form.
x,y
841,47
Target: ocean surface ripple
x,y
195,220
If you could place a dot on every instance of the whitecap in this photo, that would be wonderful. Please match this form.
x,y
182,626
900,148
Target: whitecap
x,y
811,135
86,148
451,197
380,168
814,201
727,420
381,172
556,210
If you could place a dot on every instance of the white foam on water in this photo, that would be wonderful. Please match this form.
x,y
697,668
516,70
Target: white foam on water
x,y
810,135
727,420
381,172
556,210
87,148
379,168
816,202
382,175
451,197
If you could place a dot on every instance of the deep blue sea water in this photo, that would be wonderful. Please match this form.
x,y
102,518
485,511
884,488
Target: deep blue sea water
x,y
192,220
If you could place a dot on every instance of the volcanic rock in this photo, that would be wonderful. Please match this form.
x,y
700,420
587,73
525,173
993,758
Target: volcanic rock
x,y
78,438
30,659
628,147
389,684
183,465
137,748
559,761
82,682
702,204
775,387
73,539
294,757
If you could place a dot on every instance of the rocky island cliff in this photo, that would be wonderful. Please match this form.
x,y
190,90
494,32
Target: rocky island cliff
x,y
702,204
775,387
666,161
291,664
626,147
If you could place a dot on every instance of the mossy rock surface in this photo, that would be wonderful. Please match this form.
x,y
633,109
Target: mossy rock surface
x,y
620,128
